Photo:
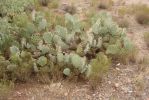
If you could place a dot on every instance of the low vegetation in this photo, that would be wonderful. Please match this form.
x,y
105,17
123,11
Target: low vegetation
x,y
5,89
105,4
123,22
102,4
146,38
141,14
47,45
71,9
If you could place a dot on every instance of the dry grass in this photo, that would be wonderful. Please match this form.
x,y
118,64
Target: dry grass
x,y
122,22
122,11
44,2
94,3
141,14
144,64
88,16
102,4
126,57
5,89
105,4
70,9
53,4
55,19
139,82
146,38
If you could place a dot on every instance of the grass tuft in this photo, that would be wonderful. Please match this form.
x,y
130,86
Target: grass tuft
x,y
141,14
105,4
146,38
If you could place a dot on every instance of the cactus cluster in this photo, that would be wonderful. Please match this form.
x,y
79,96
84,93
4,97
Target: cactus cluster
x,y
14,6
69,47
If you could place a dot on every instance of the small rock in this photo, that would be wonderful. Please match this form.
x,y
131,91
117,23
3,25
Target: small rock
x,y
94,94
118,64
52,85
19,93
128,80
117,69
130,91
58,84
109,82
127,89
116,85
66,94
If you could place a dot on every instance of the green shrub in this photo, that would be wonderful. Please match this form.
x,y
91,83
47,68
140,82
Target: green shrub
x,y
99,66
60,48
13,7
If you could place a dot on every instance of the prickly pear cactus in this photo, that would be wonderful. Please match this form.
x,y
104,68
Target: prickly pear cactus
x,y
42,25
66,71
14,50
48,37
42,61
68,48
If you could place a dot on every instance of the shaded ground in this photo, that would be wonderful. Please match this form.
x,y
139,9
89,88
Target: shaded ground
x,y
119,85
124,82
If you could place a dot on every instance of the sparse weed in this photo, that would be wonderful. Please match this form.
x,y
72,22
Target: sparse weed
x,y
53,4
56,19
139,82
141,14
100,66
105,4
44,2
5,89
123,22
146,38
126,57
94,3
122,11
70,9
144,64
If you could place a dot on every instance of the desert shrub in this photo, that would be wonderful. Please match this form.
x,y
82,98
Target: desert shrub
x,y
69,48
99,67
53,4
61,48
142,18
88,16
44,2
123,22
54,19
141,13
124,10
105,4
6,39
19,67
70,9
15,6
146,38
94,3
5,89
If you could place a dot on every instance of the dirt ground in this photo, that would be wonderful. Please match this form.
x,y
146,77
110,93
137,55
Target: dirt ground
x,y
123,82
